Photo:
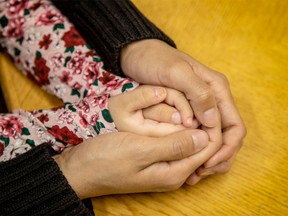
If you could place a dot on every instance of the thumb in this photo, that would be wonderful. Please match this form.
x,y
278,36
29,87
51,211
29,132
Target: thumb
x,y
177,146
144,96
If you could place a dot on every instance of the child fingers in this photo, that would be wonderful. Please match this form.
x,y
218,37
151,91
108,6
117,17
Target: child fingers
x,y
142,97
180,102
162,113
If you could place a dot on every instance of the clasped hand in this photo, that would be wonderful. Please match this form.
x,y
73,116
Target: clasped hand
x,y
161,147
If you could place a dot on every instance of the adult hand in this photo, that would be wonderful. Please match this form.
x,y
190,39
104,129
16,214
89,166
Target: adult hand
x,y
129,113
154,62
123,162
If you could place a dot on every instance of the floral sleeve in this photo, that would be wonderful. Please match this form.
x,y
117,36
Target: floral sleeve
x,y
50,51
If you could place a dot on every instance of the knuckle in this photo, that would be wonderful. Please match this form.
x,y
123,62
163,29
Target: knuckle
x,y
225,168
222,79
204,94
179,65
178,147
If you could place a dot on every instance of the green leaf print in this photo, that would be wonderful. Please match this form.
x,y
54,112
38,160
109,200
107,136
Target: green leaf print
x,y
5,140
107,116
97,59
30,142
26,12
67,59
38,55
75,92
17,51
71,107
126,86
70,49
98,127
58,26
4,21
25,131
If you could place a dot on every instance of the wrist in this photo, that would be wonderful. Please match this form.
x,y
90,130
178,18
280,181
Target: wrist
x,y
71,177
135,50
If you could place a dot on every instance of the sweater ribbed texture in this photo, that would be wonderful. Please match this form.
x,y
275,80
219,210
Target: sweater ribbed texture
x,y
108,25
32,184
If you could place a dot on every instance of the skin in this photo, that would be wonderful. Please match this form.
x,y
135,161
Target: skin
x,y
155,62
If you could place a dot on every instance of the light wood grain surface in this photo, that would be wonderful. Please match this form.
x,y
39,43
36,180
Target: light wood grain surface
x,y
247,41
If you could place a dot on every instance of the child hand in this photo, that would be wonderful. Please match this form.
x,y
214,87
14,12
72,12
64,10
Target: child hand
x,y
151,110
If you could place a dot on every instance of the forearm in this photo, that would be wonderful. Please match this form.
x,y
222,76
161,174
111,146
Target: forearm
x,y
63,126
47,48
108,25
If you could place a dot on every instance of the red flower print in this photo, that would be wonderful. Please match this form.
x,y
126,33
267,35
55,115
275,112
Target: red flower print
x,y
83,120
56,108
1,148
14,28
35,6
10,126
45,42
90,53
49,18
66,116
65,135
76,64
16,6
72,38
100,101
115,84
83,106
41,70
57,61
43,118
107,77
94,119
91,72
77,86
65,78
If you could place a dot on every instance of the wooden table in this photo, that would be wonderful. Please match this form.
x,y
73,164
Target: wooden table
x,y
247,41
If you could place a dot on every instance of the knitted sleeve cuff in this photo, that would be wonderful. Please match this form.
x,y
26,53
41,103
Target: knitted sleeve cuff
x,y
108,25
32,184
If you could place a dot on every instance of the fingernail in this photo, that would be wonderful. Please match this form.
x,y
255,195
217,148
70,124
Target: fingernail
x,y
200,140
176,118
190,121
159,91
210,117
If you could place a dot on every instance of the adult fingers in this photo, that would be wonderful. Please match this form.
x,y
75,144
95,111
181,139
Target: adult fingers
x,y
232,125
226,151
176,146
199,93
